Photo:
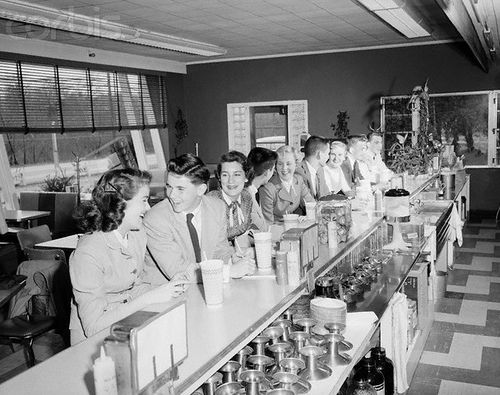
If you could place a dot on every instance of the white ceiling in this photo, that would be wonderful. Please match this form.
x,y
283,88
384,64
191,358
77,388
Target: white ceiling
x,y
245,28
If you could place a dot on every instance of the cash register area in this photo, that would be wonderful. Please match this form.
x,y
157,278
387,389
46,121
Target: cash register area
x,y
462,352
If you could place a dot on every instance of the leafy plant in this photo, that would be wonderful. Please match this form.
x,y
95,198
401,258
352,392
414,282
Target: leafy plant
x,y
181,130
340,129
414,155
57,183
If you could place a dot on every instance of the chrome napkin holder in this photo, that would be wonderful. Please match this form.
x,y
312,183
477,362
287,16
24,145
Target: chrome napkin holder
x,y
306,237
147,348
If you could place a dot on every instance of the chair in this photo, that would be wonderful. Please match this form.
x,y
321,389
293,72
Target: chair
x,y
43,305
30,237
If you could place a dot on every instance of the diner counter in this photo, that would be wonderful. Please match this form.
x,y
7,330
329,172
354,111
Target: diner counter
x,y
214,334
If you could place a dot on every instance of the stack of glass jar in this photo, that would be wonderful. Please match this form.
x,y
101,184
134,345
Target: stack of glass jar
x,y
336,209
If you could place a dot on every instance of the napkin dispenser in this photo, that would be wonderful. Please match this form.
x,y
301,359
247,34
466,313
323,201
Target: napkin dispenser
x,y
147,348
306,238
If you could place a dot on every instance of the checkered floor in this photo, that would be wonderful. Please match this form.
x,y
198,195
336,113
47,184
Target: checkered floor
x,y
462,353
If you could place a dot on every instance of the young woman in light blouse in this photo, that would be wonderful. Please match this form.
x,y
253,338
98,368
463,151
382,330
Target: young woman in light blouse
x,y
285,192
107,268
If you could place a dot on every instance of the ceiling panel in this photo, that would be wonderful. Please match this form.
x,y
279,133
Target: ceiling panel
x,y
246,27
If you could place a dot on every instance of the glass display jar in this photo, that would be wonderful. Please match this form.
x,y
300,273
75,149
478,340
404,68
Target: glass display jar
x,y
334,208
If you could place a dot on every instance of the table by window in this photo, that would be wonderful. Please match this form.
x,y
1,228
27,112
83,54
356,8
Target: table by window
x,y
22,217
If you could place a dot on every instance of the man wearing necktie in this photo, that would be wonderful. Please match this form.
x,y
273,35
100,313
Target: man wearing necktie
x,y
189,226
354,165
316,152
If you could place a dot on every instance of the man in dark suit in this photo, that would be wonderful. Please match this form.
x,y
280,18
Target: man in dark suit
x,y
316,152
189,226
356,149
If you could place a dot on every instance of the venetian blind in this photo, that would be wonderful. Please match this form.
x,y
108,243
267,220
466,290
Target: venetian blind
x,y
50,98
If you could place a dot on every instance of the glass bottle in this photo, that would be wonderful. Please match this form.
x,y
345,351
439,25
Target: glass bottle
x,y
367,371
362,387
385,366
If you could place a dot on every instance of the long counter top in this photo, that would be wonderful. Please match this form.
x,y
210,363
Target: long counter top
x,y
214,334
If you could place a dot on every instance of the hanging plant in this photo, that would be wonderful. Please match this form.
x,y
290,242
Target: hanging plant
x,y
181,130
415,155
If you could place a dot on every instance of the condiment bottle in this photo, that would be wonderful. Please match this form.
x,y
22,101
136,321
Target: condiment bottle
x,y
378,198
362,387
105,375
293,266
367,371
384,365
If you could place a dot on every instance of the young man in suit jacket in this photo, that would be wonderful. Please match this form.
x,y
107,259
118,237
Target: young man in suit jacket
x,y
316,152
189,226
353,164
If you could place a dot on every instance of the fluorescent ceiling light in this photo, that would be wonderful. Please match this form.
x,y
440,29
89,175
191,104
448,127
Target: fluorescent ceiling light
x,y
76,23
394,13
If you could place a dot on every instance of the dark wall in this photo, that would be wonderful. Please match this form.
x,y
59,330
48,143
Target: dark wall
x,y
351,81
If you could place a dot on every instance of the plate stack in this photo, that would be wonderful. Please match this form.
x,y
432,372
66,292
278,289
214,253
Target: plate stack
x,y
325,310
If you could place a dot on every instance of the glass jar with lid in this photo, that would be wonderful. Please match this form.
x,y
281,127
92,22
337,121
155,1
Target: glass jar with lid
x,y
334,208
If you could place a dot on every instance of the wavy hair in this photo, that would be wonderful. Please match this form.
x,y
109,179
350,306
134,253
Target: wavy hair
x,y
106,210
260,160
190,166
232,156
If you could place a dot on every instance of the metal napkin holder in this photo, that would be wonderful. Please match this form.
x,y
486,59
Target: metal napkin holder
x,y
147,348
306,239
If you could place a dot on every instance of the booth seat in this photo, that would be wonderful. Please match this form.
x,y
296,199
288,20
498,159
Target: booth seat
x,y
61,206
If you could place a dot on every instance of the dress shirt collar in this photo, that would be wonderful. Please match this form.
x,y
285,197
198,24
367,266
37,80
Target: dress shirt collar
x,y
288,185
122,240
252,190
228,200
351,159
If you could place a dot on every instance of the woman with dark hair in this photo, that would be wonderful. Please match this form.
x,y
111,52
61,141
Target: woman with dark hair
x,y
232,174
107,267
261,163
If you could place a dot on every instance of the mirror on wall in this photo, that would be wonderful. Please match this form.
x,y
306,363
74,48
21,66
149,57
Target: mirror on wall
x,y
268,126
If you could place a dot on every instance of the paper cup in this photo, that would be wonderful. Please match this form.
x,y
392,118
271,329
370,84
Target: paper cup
x,y
263,250
291,221
212,275
311,210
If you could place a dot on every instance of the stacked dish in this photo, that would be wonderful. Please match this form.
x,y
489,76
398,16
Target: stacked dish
x,y
325,310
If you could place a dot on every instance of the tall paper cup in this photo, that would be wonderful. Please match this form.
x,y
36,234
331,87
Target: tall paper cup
x,y
263,250
211,273
291,221
311,210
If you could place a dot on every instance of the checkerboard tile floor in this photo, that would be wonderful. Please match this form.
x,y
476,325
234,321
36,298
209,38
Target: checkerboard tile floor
x,y
462,353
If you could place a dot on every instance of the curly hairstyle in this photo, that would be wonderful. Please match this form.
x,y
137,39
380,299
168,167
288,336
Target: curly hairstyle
x,y
232,156
190,166
105,211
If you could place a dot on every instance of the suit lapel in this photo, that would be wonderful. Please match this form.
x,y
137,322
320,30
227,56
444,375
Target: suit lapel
x,y
285,195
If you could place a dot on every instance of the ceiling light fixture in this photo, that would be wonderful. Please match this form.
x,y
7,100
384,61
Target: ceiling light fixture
x,y
67,20
396,14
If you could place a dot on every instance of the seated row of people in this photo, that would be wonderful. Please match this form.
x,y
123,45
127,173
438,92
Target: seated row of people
x,y
131,256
